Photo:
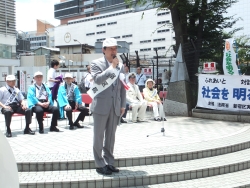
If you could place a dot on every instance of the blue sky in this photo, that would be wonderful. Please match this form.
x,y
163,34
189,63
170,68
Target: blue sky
x,y
27,11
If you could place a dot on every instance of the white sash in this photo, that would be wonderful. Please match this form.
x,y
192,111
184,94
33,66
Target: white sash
x,y
11,98
96,89
71,90
154,93
41,91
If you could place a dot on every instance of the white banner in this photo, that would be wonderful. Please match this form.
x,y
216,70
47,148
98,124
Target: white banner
x,y
22,82
229,59
224,92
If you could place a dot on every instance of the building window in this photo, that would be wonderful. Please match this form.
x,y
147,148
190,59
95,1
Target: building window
x,y
130,43
158,40
163,31
117,37
100,40
100,25
145,49
163,13
163,22
100,32
88,34
145,41
112,23
88,15
160,48
126,36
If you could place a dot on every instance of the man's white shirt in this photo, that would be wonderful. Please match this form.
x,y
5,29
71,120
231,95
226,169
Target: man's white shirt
x,y
126,77
87,81
142,79
51,75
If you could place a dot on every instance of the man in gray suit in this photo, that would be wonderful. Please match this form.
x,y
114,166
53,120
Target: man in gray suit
x,y
107,107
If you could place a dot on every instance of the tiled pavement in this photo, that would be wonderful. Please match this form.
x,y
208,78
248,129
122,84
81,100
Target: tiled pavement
x,y
65,159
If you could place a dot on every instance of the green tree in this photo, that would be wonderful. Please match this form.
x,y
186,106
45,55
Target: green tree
x,y
199,23
243,48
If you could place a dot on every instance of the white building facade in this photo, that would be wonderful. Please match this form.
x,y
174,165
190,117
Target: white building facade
x,y
143,34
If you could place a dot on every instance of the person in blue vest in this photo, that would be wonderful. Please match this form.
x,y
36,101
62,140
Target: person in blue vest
x,y
69,98
40,100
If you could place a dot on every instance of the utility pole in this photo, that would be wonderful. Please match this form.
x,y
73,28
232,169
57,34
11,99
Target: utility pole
x,y
157,65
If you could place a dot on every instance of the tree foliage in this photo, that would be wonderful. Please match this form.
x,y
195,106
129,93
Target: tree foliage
x,y
199,23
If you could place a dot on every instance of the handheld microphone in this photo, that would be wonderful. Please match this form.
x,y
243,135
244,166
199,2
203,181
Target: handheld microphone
x,y
117,66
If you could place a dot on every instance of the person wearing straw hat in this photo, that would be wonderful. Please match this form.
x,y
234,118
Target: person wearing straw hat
x,y
40,100
108,105
12,101
151,96
69,98
135,100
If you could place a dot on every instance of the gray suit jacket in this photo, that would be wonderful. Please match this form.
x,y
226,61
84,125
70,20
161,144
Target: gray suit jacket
x,y
102,103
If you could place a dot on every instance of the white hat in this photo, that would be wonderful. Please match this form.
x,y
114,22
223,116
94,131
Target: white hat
x,y
10,77
38,73
149,80
108,42
68,75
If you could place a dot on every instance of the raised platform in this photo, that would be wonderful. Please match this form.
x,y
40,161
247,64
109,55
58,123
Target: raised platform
x,y
193,152
221,115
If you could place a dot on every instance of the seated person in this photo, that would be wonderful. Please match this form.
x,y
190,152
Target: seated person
x,y
151,96
12,101
134,98
69,98
40,100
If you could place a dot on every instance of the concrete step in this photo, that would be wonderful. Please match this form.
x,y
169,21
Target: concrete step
x,y
240,179
140,175
141,156
221,115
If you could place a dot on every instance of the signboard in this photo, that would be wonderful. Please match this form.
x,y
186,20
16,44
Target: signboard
x,y
229,59
224,92
147,71
209,67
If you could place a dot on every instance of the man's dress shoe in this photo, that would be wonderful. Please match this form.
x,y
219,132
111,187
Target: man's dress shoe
x,y
8,134
28,131
78,125
112,168
41,131
123,121
104,170
54,129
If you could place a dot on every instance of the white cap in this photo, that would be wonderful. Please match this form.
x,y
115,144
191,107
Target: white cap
x,y
149,80
108,42
38,73
10,77
68,75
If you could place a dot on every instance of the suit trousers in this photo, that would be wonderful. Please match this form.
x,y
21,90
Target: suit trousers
x,y
84,112
16,109
157,113
39,115
104,128
139,111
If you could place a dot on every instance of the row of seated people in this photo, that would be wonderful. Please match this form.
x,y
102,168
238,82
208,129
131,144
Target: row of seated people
x,y
39,100
139,101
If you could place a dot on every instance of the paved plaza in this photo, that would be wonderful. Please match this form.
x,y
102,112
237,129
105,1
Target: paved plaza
x,y
65,159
